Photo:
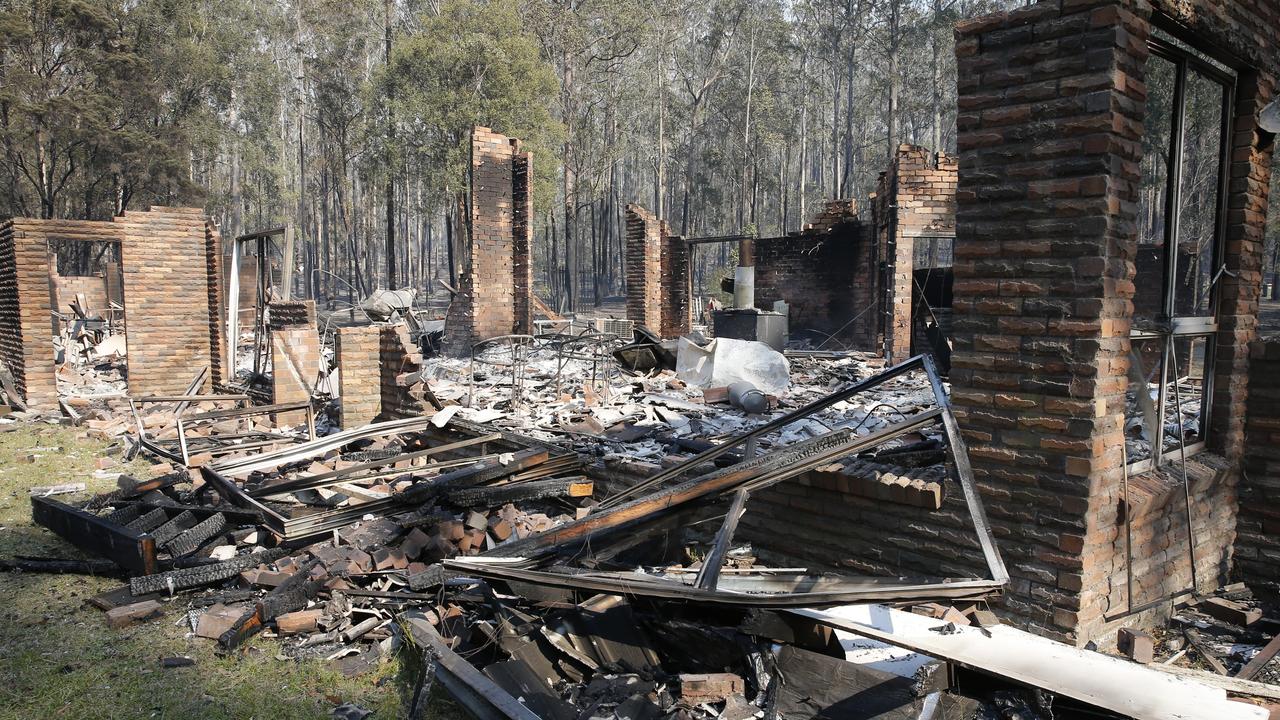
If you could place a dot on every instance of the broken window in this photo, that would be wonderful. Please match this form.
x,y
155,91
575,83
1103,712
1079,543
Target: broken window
x,y
1179,253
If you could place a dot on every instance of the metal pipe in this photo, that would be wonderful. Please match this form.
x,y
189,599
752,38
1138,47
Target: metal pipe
x,y
1182,452
744,276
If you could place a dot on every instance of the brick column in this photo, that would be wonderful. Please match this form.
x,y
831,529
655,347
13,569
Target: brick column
x,y
914,198
219,368
496,282
643,266
399,355
522,241
676,288
359,374
1050,112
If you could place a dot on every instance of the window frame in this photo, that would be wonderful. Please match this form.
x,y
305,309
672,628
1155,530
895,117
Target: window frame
x,y
1170,327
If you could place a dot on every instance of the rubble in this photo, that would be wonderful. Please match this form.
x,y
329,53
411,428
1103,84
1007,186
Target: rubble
x,y
535,583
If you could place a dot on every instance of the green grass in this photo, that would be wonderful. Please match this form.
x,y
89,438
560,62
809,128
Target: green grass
x,y
58,659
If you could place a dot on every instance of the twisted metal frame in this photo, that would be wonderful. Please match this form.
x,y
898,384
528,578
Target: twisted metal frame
x,y
503,351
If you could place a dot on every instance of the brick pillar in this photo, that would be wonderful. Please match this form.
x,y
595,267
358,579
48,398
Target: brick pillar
x,y
359,374
1050,112
496,281
167,322
643,263
219,368
522,241
1241,288
914,198
26,334
677,288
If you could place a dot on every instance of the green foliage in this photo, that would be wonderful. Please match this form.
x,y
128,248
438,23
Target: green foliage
x,y
104,104
475,63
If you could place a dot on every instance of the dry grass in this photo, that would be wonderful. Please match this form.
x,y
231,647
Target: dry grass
x,y
58,659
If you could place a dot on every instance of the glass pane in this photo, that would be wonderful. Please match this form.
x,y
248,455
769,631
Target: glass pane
x,y
1183,400
1198,197
1157,143
1142,400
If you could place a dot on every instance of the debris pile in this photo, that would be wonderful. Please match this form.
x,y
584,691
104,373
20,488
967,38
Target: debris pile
x,y
534,582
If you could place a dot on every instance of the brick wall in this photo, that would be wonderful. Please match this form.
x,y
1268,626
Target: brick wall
x,y
1257,552
399,355
65,288
868,518
169,306
15,293
829,280
26,325
496,279
643,267
656,266
1051,103
915,197
295,368
676,288
359,363
291,314
166,297
522,241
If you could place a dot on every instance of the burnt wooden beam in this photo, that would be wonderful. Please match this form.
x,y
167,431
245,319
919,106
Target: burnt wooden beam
x,y
472,688
494,495
202,575
709,573
482,472
347,474
127,548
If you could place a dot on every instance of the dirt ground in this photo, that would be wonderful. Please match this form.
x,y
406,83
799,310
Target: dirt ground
x,y
58,659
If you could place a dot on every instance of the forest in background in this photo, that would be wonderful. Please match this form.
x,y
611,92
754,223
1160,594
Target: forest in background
x,y
349,119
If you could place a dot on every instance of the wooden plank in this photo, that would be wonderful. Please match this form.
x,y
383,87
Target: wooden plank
x,y
344,475
709,573
1230,612
1198,643
473,688
126,615
1260,660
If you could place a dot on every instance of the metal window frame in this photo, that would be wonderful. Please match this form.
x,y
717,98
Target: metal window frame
x,y
535,558
1175,327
